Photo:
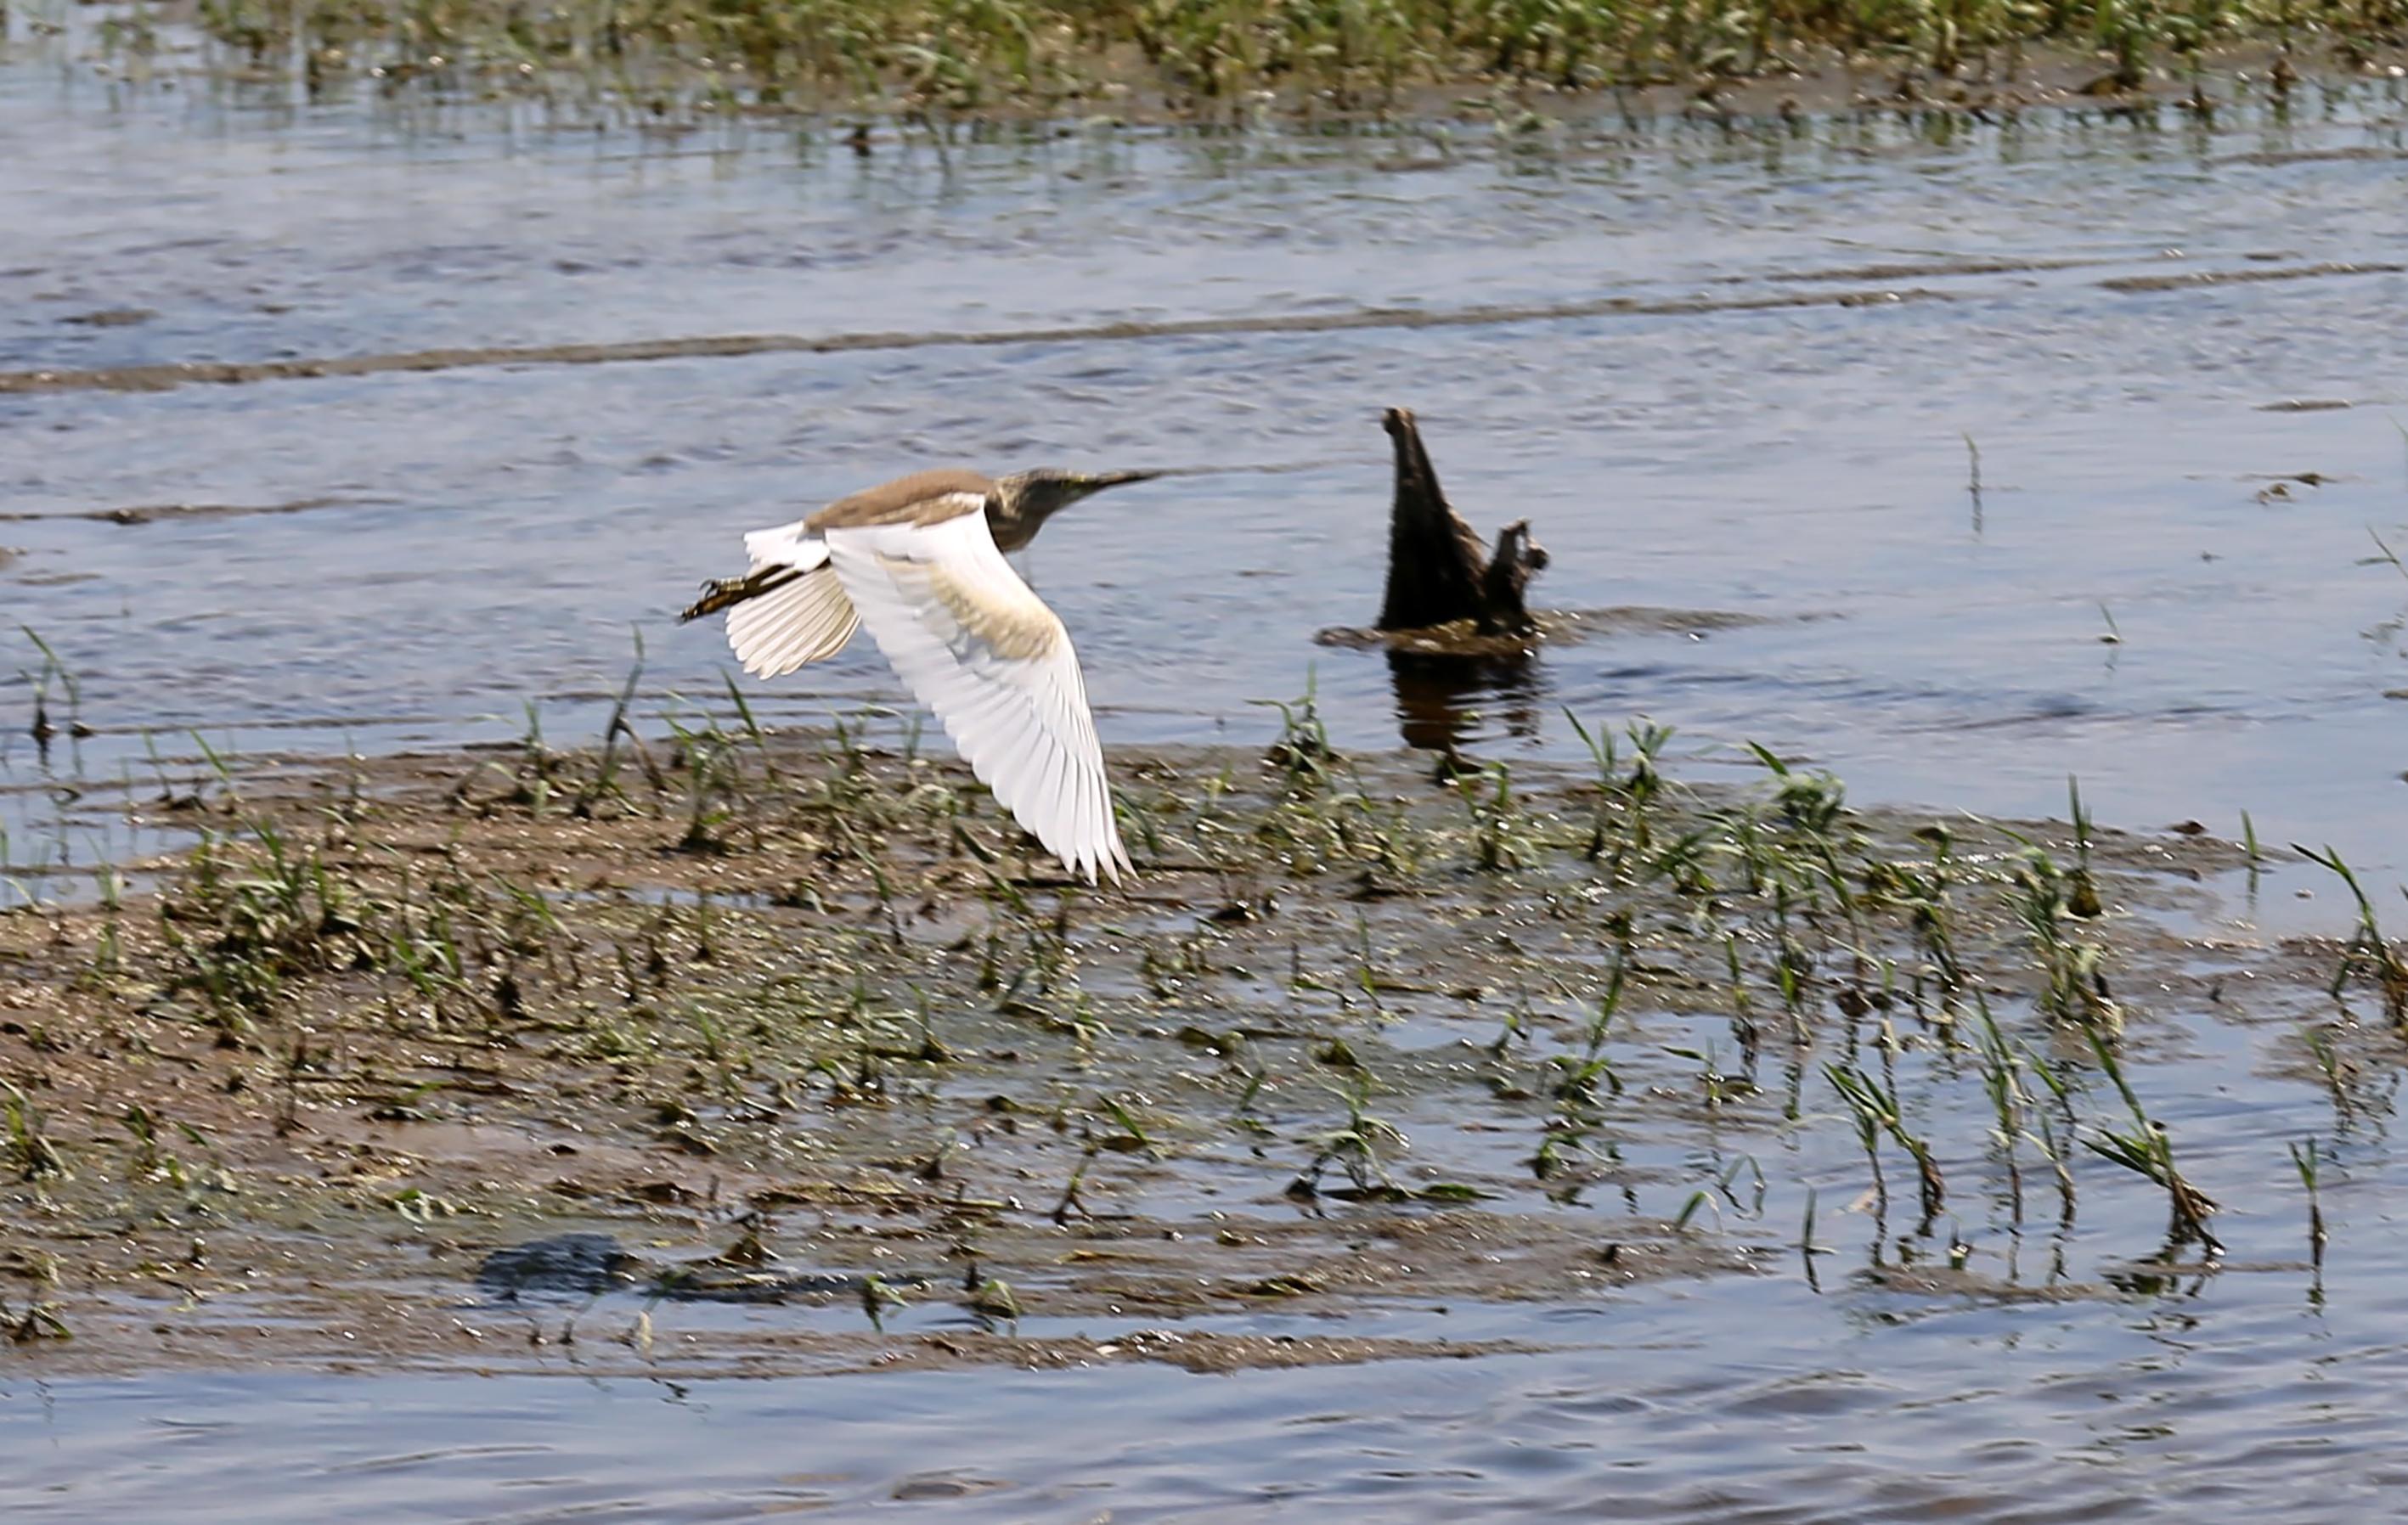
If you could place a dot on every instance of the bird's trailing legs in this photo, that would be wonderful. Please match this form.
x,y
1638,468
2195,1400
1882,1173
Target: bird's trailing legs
x,y
726,593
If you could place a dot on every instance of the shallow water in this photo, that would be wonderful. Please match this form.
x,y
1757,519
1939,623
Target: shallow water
x,y
488,532
495,533
1753,1400
2104,1389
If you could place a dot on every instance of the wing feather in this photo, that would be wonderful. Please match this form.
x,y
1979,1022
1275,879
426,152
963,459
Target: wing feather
x,y
803,621
788,545
995,664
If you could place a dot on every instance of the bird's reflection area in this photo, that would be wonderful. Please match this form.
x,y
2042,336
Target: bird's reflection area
x,y
1446,702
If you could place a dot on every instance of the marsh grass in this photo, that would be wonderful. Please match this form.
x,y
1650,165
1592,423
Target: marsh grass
x,y
2146,1149
1877,1111
1360,1146
2308,1159
2052,903
33,1154
1215,59
42,727
2367,955
811,962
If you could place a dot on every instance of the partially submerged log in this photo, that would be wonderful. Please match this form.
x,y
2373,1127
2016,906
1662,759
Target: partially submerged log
x,y
1437,574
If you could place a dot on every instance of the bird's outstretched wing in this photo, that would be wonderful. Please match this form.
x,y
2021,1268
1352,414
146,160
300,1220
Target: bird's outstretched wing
x,y
997,666
800,615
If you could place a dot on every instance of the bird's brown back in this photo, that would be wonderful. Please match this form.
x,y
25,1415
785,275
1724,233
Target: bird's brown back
x,y
923,497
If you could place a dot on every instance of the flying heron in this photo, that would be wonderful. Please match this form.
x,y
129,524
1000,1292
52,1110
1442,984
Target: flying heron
x,y
920,561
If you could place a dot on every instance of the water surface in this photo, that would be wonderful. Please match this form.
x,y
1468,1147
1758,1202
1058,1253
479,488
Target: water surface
x,y
488,535
462,540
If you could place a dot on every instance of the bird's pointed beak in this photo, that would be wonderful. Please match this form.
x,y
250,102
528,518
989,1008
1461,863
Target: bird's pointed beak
x,y
1103,479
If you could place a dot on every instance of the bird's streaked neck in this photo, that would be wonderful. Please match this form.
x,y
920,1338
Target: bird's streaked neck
x,y
1022,501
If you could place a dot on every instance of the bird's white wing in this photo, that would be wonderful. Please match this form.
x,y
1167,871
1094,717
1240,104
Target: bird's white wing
x,y
788,545
799,622
997,666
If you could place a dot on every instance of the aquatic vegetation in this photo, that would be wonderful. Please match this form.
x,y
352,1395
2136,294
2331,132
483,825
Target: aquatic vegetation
x,y
1216,59
42,728
2050,901
2307,1156
35,1156
2367,954
2147,1150
1360,1146
1877,1111
757,970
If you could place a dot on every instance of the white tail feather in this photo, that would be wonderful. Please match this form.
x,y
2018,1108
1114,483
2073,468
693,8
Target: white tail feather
x,y
788,545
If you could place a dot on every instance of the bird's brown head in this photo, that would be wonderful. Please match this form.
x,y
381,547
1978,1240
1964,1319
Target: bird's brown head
x,y
1025,499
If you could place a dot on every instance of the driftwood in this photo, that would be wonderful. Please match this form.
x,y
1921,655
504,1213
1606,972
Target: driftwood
x,y
1437,574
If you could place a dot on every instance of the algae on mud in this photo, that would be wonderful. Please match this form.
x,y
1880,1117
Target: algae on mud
x,y
796,1024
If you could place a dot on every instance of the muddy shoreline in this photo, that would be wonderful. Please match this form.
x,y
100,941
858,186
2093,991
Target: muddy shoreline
x,y
798,1034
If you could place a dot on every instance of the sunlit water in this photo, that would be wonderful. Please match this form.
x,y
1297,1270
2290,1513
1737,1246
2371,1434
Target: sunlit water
x,y
497,534
1750,1400
501,533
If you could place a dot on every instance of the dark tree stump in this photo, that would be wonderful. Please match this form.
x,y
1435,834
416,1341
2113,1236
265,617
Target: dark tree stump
x,y
1437,574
